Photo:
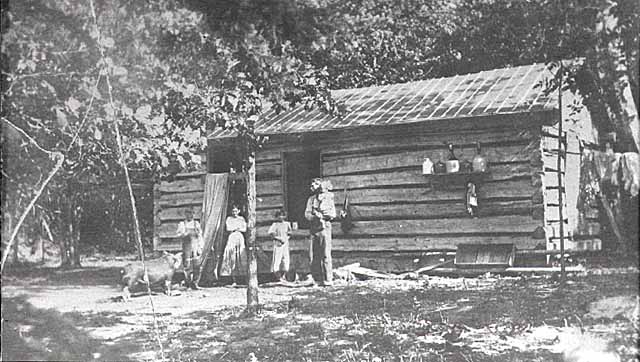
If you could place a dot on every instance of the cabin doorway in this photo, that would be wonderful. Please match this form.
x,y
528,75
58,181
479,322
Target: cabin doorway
x,y
222,159
300,169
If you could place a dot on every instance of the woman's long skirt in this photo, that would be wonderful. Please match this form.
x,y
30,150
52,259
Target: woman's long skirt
x,y
234,259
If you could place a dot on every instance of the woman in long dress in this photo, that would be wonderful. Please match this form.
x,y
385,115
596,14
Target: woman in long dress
x,y
234,259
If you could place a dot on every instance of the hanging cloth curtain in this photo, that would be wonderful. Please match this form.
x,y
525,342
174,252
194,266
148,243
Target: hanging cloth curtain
x,y
214,206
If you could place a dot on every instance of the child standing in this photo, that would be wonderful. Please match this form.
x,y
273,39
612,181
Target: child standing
x,y
280,231
190,232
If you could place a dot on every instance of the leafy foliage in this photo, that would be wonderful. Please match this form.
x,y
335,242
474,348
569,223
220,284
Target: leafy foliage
x,y
174,74
364,43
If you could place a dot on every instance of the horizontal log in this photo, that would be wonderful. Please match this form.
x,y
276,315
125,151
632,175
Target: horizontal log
x,y
485,130
269,202
422,138
424,211
262,186
538,196
430,211
493,224
180,199
414,176
266,216
536,160
362,163
272,187
467,225
265,171
267,155
537,211
178,213
195,198
503,189
184,185
408,243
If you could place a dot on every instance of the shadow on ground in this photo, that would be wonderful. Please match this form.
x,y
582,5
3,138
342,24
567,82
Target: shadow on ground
x,y
56,276
29,333
357,322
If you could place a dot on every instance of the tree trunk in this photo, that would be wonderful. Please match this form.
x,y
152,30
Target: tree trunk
x,y
625,112
64,252
48,231
15,253
15,248
75,240
252,283
69,253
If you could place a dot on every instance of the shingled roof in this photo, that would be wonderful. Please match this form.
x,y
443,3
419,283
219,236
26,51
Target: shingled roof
x,y
500,91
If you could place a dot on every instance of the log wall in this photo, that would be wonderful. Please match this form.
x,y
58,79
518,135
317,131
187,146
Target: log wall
x,y
398,211
400,215
173,198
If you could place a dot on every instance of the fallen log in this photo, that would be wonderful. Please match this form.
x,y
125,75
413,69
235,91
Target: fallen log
x,y
356,269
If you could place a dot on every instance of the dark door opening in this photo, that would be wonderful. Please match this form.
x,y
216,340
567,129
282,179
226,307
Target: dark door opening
x,y
222,159
300,169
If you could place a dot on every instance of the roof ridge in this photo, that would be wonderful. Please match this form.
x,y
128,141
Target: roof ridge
x,y
450,76
506,90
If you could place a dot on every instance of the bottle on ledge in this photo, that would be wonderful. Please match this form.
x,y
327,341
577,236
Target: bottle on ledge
x,y
452,164
427,166
479,161
440,167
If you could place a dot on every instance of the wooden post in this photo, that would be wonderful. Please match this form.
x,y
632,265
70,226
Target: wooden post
x,y
563,272
252,282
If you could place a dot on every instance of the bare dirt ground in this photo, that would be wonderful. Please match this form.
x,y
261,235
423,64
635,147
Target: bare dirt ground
x,y
76,315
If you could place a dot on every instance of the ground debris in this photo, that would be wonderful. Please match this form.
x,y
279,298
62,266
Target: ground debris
x,y
491,318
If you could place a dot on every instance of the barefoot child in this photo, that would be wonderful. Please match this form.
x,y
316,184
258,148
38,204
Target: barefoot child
x,y
280,231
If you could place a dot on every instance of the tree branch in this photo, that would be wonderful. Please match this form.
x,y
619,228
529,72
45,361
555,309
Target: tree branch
x,y
86,114
126,174
60,159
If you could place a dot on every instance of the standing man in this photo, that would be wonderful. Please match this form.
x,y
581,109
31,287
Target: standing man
x,y
192,243
320,211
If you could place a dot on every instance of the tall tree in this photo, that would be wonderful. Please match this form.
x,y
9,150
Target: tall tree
x,y
160,72
367,42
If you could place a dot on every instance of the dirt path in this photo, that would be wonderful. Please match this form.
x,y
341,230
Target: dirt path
x,y
62,315
89,300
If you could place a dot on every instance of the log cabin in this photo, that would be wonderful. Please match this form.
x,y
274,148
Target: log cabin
x,y
374,153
